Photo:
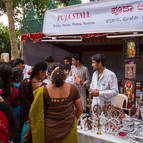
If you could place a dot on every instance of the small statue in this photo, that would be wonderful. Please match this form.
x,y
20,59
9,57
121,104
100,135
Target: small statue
x,y
99,126
140,103
97,110
89,124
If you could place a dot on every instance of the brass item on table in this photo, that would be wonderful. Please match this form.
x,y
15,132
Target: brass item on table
x,y
99,126
140,103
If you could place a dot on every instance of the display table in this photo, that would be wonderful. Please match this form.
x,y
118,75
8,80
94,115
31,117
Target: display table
x,y
91,137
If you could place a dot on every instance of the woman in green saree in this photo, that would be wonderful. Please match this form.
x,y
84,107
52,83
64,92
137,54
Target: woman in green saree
x,y
53,118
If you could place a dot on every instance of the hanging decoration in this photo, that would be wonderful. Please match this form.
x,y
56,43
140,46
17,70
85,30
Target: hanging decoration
x,y
131,49
32,37
129,90
130,71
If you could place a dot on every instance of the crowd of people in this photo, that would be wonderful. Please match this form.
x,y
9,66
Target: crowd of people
x,y
41,104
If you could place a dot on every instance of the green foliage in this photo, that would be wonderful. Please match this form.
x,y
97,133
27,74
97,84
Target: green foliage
x,y
67,2
62,2
51,4
39,5
74,2
4,38
31,17
2,6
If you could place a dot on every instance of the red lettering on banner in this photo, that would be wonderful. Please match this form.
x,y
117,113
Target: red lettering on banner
x,y
140,6
88,14
82,15
70,17
66,17
74,15
118,10
128,8
78,15
60,18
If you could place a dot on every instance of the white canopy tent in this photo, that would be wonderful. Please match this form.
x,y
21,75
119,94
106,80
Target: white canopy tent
x,y
109,16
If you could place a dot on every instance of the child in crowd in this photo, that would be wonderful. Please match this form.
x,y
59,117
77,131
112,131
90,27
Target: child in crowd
x,y
67,69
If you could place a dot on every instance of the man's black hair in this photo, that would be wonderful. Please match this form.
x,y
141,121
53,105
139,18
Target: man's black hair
x,y
49,59
99,58
18,61
67,58
66,67
77,57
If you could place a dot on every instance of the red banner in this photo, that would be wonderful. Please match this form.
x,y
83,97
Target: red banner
x,y
33,37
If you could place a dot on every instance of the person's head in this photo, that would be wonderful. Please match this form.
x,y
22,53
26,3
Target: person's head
x,y
39,71
19,63
5,79
98,61
57,75
17,75
76,60
67,69
67,60
49,60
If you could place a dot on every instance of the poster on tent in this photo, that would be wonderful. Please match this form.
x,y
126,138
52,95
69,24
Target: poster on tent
x,y
130,71
131,49
130,90
96,17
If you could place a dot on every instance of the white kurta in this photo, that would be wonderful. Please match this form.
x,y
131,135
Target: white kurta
x,y
107,86
83,74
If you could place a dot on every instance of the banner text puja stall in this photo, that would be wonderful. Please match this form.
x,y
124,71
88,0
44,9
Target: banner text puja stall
x,y
100,17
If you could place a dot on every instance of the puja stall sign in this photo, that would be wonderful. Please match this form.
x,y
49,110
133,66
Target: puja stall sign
x,y
117,16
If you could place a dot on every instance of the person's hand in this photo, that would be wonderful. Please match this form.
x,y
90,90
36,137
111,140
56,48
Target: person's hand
x,y
81,83
95,93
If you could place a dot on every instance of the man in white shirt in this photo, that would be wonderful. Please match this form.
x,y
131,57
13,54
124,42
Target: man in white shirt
x,y
104,85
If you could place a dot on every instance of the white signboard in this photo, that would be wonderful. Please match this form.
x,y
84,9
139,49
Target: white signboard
x,y
98,17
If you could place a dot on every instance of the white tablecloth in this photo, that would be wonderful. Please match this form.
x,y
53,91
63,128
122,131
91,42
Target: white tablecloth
x,y
91,137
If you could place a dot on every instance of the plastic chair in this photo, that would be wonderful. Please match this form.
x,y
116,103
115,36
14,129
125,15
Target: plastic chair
x,y
120,100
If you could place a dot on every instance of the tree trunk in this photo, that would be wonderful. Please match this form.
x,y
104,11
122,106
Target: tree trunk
x,y
12,33
22,42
